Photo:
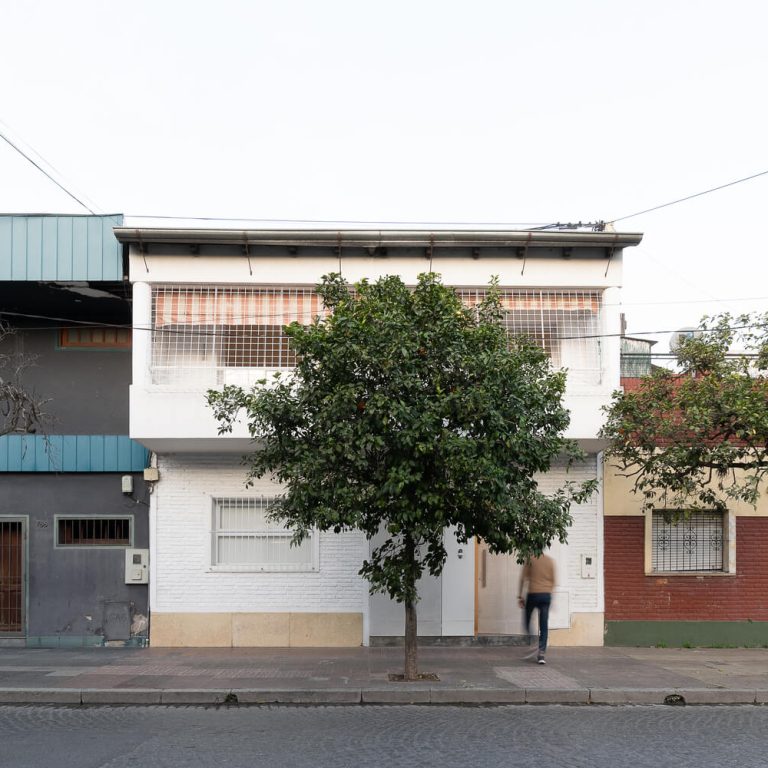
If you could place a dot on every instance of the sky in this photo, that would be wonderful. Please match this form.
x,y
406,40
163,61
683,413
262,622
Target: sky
x,y
490,111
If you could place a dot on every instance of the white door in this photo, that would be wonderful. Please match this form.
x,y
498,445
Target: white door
x,y
498,578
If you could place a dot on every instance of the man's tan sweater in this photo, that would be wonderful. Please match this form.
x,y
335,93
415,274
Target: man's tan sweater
x,y
539,572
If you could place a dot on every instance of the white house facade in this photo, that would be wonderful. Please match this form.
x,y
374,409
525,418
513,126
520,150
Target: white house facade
x,y
208,309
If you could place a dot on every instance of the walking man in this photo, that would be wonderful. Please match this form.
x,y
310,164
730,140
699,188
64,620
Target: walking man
x,y
537,580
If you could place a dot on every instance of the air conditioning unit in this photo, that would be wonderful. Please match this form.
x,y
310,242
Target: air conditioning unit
x,y
684,333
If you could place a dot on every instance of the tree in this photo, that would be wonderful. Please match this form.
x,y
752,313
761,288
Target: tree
x,y
21,411
698,438
408,414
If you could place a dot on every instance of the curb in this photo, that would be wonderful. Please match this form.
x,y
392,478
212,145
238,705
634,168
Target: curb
x,y
391,696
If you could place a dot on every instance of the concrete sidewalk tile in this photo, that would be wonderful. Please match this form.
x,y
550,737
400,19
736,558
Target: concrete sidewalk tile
x,y
121,696
320,696
717,695
194,696
39,696
556,696
628,695
477,696
761,696
395,695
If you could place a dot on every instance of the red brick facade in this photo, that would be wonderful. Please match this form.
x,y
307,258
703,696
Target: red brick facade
x,y
630,595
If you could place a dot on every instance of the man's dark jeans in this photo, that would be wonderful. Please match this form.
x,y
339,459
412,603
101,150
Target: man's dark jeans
x,y
540,601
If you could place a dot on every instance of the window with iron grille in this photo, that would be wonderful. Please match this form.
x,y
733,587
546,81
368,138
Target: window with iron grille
x,y
566,324
209,335
691,542
93,531
213,335
242,538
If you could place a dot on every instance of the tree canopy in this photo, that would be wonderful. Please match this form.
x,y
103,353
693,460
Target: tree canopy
x,y
697,438
408,414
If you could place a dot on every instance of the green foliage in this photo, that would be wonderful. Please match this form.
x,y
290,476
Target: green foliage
x,y
406,414
699,438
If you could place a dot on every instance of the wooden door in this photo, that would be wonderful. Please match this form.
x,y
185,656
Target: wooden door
x,y
11,576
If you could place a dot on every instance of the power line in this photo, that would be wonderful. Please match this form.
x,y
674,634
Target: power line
x,y
43,171
527,224
689,197
346,221
160,329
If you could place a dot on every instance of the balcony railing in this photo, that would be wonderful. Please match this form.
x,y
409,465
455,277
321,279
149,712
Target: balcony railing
x,y
206,336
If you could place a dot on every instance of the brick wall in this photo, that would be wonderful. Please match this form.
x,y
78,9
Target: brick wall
x,y
630,595
183,581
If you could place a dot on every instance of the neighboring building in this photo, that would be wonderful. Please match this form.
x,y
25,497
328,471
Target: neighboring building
x,y
216,302
67,520
698,581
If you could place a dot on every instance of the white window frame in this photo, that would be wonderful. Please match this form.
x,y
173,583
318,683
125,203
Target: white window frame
x,y
273,531
729,549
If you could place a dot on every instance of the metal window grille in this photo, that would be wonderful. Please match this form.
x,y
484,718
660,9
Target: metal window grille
x,y
212,335
692,543
566,324
206,335
93,532
242,538
11,576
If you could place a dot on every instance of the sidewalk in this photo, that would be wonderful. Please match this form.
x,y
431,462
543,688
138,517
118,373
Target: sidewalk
x,y
488,675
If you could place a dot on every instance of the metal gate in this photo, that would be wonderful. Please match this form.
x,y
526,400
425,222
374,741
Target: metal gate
x,y
11,576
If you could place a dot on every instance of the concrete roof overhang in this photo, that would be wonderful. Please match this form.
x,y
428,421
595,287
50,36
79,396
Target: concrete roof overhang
x,y
376,238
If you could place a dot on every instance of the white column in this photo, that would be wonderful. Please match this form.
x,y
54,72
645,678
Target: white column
x,y
142,334
611,340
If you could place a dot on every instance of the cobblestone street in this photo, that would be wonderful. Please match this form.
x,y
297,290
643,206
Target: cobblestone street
x,y
327,737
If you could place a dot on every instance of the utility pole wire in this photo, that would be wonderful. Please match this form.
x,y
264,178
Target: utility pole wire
x,y
689,197
44,172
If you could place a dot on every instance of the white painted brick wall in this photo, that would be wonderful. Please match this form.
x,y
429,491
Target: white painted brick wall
x,y
181,508
183,581
582,536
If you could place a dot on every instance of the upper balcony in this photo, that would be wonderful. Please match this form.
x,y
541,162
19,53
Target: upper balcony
x,y
207,336
210,306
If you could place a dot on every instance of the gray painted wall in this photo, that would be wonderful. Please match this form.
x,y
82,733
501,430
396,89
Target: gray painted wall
x,y
74,592
88,389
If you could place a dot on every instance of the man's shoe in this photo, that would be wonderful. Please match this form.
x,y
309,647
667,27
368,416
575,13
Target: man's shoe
x,y
541,660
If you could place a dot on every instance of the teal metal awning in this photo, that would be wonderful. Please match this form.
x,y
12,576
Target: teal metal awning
x,y
60,248
71,453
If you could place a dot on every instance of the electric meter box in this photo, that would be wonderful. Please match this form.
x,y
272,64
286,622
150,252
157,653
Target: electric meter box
x,y
588,567
136,566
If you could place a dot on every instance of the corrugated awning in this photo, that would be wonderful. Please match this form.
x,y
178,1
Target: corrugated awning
x,y
232,306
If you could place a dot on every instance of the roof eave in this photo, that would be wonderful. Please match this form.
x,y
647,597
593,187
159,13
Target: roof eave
x,y
376,238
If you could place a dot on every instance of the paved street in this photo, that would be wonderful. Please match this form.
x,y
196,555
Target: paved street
x,y
326,737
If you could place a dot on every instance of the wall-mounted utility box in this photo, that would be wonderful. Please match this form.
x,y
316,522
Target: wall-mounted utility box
x,y
588,567
136,566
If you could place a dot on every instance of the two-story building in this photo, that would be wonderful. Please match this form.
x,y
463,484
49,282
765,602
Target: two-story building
x,y
698,580
209,307
73,506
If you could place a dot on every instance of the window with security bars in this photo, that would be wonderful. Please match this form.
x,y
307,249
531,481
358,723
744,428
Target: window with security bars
x,y
209,335
566,324
243,538
212,335
93,531
693,542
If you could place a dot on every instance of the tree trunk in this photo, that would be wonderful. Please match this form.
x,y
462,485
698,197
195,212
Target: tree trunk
x,y
411,671
411,646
